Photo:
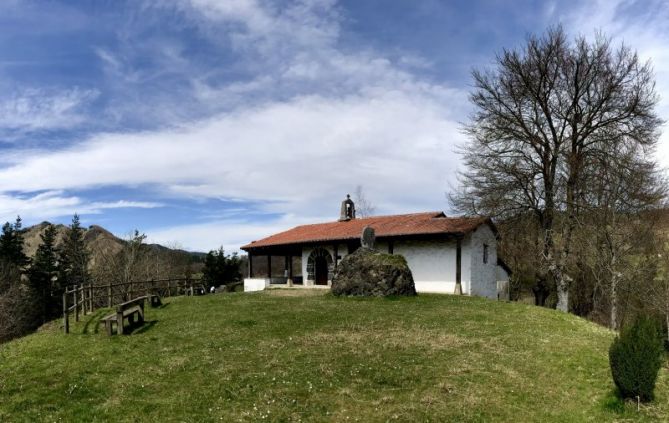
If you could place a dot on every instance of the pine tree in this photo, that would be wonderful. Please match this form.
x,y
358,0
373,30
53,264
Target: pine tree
x,y
11,244
220,268
42,273
74,257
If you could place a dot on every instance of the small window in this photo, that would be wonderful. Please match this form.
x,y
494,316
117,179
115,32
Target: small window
x,y
485,253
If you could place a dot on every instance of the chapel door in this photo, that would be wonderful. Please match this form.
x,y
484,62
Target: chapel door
x,y
321,269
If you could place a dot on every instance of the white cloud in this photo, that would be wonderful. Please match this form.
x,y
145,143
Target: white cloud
x,y
36,109
299,154
51,204
230,234
312,122
270,28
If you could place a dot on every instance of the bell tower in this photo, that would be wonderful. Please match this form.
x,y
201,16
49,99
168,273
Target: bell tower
x,y
347,209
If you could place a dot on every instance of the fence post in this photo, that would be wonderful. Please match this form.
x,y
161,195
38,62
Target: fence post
x,y
84,305
109,295
86,300
66,317
82,299
76,303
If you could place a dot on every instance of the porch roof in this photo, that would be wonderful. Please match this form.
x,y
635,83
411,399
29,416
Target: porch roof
x,y
430,223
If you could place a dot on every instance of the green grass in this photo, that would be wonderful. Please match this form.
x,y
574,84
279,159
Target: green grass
x,y
304,356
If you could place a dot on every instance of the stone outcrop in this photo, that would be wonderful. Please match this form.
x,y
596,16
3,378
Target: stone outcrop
x,y
368,273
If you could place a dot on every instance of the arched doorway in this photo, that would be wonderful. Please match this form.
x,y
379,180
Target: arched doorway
x,y
321,271
319,266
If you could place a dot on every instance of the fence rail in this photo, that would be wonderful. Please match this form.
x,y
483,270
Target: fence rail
x,y
86,298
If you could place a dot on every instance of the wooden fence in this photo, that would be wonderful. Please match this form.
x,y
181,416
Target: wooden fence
x,y
86,298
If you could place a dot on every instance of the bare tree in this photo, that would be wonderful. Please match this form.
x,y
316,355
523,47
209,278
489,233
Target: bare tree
x,y
363,207
134,264
124,265
651,295
619,226
543,117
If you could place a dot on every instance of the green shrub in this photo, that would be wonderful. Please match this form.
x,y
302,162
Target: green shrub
x,y
636,357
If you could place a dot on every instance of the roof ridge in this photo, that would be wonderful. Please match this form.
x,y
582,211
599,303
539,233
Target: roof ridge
x,y
435,213
403,214
422,223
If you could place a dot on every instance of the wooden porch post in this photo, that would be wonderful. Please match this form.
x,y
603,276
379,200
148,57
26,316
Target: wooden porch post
x,y
289,268
269,267
458,267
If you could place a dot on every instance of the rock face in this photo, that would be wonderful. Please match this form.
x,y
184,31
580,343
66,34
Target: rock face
x,y
368,273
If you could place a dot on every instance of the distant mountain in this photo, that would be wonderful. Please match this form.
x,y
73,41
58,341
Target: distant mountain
x,y
98,241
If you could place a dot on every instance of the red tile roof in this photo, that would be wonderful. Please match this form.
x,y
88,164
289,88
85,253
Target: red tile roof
x,y
384,226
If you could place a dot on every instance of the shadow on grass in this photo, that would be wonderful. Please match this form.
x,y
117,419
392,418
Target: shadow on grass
x,y
92,322
613,403
245,323
136,328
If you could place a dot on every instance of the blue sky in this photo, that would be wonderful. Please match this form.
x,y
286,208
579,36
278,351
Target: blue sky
x,y
216,122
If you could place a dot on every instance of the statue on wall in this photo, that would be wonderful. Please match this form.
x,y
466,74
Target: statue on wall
x,y
367,238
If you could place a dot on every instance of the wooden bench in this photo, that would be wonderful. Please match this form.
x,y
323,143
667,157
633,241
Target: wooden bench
x,y
154,299
128,310
196,290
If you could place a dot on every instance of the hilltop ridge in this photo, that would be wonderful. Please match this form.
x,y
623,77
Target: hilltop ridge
x,y
98,240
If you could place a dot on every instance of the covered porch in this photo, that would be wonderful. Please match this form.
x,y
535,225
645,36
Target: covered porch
x,y
300,265
274,267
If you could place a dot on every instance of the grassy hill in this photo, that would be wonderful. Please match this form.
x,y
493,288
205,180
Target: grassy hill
x,y
304,356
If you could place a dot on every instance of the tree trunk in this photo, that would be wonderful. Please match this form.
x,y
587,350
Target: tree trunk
x,y
614,286
614,303
666,315
562,288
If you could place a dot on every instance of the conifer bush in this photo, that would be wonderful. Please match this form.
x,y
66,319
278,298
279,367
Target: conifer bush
x,y
636,357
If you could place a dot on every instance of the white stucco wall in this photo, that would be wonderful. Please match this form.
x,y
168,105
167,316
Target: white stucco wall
x,y
482,276
255,284
432,264
466,265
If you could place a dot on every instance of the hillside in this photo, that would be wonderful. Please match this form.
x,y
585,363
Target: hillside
x,y
301,355
98,240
